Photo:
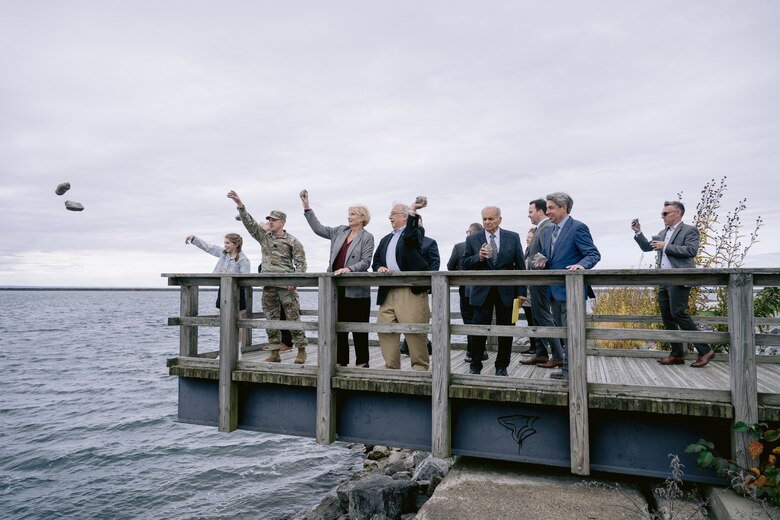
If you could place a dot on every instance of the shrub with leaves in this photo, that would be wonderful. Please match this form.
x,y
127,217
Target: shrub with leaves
x,y
759,481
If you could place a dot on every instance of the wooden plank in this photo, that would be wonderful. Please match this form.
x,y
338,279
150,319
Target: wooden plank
x,y
228,354
188,334
508,330
326,398
578,375
278,324
742,354
683,336
441,442
247,331
195,321
411,328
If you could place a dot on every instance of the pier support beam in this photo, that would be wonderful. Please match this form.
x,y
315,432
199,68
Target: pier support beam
x,y
326,361
742,362
441,441
228,353
578,374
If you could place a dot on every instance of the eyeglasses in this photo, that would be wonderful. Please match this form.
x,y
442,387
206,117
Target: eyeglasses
x,y
664,213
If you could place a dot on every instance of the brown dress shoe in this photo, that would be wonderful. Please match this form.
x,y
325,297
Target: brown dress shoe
x,y
285,348
551,363
535,360
703,360
672,360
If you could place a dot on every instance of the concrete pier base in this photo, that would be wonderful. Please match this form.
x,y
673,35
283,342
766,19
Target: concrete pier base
x,y
483,489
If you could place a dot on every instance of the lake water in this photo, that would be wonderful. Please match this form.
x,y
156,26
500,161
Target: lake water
x,y
88,420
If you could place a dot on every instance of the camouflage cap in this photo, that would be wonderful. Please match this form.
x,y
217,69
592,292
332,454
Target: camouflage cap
x,y
277,215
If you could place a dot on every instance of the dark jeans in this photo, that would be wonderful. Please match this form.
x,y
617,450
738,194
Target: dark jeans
x,y
356,310
673,301
483,315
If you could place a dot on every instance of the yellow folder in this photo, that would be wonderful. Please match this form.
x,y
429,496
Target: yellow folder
x,y
515,311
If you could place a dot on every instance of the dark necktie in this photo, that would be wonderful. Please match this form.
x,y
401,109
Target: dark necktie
x,y
493,247
556,230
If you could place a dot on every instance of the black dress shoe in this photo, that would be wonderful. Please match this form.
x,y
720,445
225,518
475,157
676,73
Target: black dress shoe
x,y
484,356
474,370
502,372
467,357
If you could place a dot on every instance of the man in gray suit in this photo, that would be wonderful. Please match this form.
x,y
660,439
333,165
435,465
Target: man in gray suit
x,y
676,246
540,301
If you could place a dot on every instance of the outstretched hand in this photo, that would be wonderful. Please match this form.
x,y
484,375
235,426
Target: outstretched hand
x,y
189,239
419,203
232,195
304,199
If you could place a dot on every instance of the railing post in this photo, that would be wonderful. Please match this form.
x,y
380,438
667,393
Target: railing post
x,y
579,441
249,305
441,441
188,334
326,360
742,360
228,353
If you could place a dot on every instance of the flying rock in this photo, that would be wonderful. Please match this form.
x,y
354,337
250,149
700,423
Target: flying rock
x,y
73,206
62,188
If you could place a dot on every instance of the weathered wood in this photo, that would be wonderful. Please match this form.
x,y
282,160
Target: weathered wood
x,y
188,334
742,354
326,363
278,324
658,335
247,331
195,321
441,442
578,375
411,328
509,330
228,354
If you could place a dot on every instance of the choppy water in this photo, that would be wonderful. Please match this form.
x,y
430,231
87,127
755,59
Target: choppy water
x,y
87,421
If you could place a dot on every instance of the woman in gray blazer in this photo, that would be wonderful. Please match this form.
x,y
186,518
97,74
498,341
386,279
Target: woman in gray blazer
x,y
351,250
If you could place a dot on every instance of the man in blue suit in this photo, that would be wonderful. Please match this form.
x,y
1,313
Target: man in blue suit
x,y
501,250
566,245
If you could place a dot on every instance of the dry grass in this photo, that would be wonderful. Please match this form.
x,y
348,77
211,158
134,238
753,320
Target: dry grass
x,y
626,301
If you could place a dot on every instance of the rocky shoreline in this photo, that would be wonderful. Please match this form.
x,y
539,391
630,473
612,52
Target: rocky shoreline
x,y
394,484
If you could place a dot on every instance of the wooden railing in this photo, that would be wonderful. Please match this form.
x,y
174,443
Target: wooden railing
x,y
741,336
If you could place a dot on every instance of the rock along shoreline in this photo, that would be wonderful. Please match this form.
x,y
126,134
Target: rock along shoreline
x,y
394,484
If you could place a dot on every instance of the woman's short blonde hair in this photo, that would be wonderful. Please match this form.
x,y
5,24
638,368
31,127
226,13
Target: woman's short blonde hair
x,y
362,212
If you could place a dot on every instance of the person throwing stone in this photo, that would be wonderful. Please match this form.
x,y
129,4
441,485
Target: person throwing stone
x,y
281,253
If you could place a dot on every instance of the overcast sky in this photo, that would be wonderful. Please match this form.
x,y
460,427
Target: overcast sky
x,y
153,110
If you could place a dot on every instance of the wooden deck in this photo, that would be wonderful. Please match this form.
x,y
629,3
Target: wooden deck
x,y
618,411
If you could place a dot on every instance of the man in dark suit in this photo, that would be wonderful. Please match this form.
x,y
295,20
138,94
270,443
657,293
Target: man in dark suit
x,y
430,251
500,250
540,301
676,246
455,263
568,245
401,250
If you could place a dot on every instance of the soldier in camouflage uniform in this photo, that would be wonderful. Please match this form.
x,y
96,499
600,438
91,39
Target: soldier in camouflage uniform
x,y
282,253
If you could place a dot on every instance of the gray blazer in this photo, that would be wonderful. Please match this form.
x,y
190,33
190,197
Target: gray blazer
x,y
536,243
681,248
359,253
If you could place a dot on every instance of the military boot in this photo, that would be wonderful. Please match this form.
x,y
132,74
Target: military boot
x,y
301,357
274,357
